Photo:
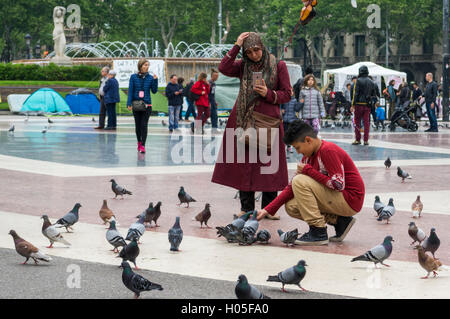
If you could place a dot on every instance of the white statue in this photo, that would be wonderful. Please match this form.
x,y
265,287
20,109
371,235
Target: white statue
x,y
58,36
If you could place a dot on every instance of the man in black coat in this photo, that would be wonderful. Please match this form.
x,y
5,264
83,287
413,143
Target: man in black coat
x,y
431,92
174,94
112,97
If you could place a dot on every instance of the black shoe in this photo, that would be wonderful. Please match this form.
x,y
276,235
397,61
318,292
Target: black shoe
x,y
192,127
109,128
429,130
343,226
315,237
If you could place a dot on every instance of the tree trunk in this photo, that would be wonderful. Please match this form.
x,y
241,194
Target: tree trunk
x,y
228,27
212,40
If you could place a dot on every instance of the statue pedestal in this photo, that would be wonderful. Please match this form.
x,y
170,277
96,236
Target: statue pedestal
x,y
64,60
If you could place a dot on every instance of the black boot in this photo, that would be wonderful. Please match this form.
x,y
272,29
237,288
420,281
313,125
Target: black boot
x,y
343,226
315,237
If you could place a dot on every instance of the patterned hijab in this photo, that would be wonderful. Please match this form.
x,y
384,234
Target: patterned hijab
x,y
267,65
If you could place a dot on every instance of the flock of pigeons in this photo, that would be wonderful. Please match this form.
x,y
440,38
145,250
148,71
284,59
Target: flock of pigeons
x,y
12,127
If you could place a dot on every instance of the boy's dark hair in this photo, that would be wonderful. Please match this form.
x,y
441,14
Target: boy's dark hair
x,y
171,77
180,80
297,131
354,78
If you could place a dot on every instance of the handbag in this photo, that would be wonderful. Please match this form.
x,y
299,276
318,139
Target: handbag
x,y
139,106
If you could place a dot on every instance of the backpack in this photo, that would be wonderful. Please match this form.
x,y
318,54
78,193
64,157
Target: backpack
x,y
193,96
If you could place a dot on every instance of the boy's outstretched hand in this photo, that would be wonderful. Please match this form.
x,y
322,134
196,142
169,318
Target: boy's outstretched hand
x,y
261,214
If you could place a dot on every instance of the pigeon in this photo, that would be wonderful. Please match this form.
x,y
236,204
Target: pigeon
x,y
231,230
288,237
378,254
49,121
416,233
263,236
130,252
248,232
70,218
378,205
106,214
163,123
114,237
175,235
119,190
93,120
184,197
27,249
291,276
387,163
44,130
147,214
417,207
136,230
258,197
244,290
11,129
237,195
402,174
26,119
136,283
204,216
432,242
155,214
427,262
387,212
52,233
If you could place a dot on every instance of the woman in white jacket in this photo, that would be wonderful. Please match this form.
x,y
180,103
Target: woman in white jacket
x,y
313,108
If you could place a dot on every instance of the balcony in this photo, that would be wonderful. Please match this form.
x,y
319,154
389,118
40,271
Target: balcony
x,y
418,58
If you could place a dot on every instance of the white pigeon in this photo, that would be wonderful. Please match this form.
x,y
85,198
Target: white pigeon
x,y
52,233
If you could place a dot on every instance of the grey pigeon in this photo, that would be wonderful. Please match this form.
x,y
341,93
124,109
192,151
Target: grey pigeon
x,y
291,276
184,197
130,252
402,174
231,230
136,229
155,214
288,237
27,249
69,219
175,235
44,130
12,128
247,235
387,212
378,254
52,233
244,290
416,233
147,213
387,163
378,205
163,123
93,120
204,216
263,236
432,242
49,121
114,237
136,283
119,190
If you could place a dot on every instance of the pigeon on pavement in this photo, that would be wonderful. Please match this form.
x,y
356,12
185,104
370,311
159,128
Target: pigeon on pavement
x,y
416,233
119,190
136,229
155,214
69,219
288,237
291,276
263,236
379,253
114,237
130,252
378,205
204,216
175,235
52,233
244,290
11,129
432,242
136,283
417,207
387,212
106,214
147,214
249,230
402,174
427,262
184,197
387,163
27,249
231,230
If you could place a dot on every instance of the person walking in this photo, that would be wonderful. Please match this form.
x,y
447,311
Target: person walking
x,y
191,107
254,101
212,100
140,101
180,82
313,107
174,94
392,97
101,94
362,98
431,92
201,89
111,90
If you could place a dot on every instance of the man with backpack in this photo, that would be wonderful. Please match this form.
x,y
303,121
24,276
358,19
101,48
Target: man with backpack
x,y
190,101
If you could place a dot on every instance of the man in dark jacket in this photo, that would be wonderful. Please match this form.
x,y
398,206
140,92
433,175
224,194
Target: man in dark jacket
x,y
212,100
431,92
190,101
174,94
362,99
112,97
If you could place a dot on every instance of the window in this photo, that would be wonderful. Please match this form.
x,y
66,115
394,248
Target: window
x,y
360,45
339,45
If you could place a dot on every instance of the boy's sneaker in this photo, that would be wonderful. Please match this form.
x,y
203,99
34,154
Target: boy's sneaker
x,y
343,226
315,237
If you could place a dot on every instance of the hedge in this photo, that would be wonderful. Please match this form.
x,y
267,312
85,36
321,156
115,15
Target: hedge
x,y
51,72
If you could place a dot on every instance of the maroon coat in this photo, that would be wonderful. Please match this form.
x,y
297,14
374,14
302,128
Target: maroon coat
x,y
247,176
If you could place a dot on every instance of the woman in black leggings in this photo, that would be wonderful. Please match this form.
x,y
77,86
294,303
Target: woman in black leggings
x,y
141,84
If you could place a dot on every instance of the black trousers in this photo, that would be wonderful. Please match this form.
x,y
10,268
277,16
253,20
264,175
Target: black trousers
x,y
102,115
141,123
248,200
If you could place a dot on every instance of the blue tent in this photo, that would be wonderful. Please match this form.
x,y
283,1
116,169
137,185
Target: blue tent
x,y
45,100
85,103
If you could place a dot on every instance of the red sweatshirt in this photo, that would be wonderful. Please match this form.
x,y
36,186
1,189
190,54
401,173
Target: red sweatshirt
x,y
198,88
332,167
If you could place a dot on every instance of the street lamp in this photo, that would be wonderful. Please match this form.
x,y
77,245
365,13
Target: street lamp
x,y
37,49
28,41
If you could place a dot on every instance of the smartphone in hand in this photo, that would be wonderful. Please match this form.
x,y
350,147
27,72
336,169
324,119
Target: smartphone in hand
x,y
257,78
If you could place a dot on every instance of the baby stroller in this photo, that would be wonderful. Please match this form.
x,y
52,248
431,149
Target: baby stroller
x,y
402,117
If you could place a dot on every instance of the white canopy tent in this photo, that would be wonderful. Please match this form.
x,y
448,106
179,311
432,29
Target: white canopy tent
x,y
344,75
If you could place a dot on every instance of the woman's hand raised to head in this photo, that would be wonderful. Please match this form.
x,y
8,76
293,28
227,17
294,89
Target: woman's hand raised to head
x,y
241,38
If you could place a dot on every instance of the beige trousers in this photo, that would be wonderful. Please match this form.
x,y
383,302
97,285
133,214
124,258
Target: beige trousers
x,y
315,203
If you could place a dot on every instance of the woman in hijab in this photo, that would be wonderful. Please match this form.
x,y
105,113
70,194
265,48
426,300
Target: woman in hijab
x,y
248,176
